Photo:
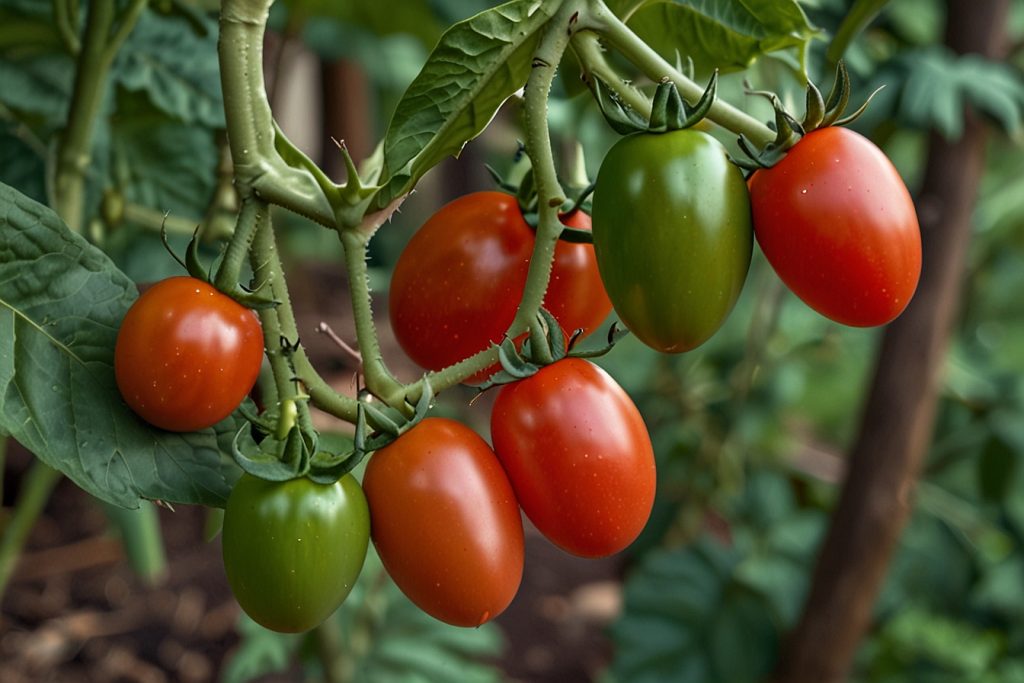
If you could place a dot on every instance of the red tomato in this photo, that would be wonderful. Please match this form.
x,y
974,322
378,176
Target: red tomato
x,y
445,522
457,285
838,225
186,355
578,455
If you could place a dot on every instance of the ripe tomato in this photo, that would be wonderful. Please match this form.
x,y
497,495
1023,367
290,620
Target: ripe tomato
x,y
456,287
186,355
445,522
578,455
294,549
838,225
672,235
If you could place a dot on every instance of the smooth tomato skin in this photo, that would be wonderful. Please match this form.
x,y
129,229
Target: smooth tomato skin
x,y
456,286
293,550
578,455
673,236
445,522
837,224
186,355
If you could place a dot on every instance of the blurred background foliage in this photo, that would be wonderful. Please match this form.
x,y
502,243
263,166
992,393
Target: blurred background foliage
x,y
749,430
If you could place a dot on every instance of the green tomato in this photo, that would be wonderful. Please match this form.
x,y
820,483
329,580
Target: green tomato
x,y
672,235
293,549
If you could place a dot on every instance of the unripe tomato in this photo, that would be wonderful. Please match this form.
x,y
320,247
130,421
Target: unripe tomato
x,y
186,355
578,455
294,549
445,522
838,225
457,285
672,236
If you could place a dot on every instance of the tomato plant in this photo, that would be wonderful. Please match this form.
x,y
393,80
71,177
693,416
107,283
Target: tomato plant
x,y
578,455
837,223
457,285
186,355
672,236
445,522
293,549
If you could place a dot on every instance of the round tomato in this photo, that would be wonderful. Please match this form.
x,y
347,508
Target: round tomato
x,y
672,235
578,455
839,227
457,285
186,354
293,549
445,522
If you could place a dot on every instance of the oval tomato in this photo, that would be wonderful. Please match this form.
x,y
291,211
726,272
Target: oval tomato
x,y
294,549
672,236
445,522
457,285
838,225
578,455
186,354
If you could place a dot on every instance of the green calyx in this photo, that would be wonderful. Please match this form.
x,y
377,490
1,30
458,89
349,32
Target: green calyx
x,y
669,111
819,112
545,345
525,192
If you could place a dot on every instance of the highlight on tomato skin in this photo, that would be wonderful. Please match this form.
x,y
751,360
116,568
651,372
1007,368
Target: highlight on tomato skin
x,y
445,522
457,284
837,223
187,355
578,455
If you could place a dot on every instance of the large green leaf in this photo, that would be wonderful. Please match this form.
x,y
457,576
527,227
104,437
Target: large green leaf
x,y
687,619
176,66
724,34
476,66
61,301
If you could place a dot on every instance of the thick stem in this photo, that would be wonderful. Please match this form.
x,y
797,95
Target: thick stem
x,y
379,379
887,455
247,111
34,492
656,68
279,322
74,151
246,228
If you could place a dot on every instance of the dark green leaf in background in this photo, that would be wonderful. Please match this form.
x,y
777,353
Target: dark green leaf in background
x,y
724,34
61,301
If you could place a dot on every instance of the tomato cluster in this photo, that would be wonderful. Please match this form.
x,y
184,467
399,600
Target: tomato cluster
x,y
569,447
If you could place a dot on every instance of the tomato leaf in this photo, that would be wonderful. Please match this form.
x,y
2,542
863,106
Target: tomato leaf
x,y
170,62
61,301
719,34
445,107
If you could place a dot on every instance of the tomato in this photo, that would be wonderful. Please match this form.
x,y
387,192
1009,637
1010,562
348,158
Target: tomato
x,y
187,355
838,225
672,235
578,455
445,522
457,285
293,549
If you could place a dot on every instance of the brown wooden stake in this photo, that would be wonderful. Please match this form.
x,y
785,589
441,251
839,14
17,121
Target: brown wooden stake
x,y
876,498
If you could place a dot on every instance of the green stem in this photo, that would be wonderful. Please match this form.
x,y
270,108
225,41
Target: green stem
x,y
143,543
587,47
67,30
379,379
74,151
280,321
238,248
151,219
610,27
258,167
34,492
328,639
